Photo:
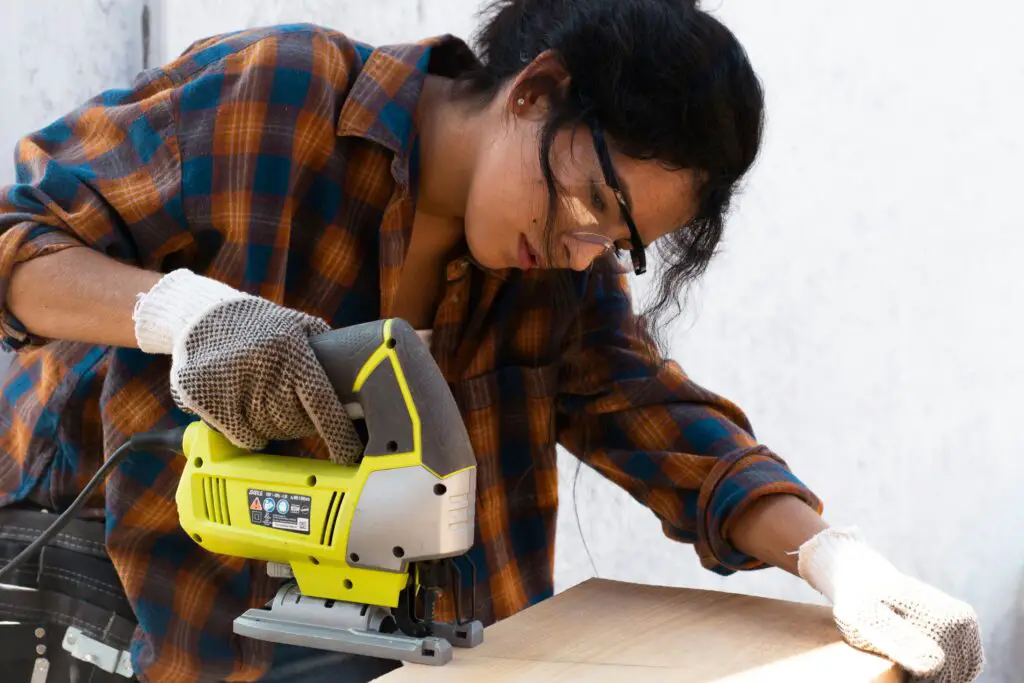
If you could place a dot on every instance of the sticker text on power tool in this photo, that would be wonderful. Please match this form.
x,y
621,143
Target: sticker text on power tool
x,y
276,510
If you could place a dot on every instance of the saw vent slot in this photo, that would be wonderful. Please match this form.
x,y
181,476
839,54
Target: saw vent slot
x,y
331,519
215,500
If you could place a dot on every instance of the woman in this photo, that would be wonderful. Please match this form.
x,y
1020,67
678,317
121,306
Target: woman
x,y
271,184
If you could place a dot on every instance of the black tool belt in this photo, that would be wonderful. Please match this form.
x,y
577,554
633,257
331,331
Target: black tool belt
x,y
73,623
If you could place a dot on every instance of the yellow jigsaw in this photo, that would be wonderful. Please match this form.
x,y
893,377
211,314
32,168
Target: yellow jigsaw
x,y
364,549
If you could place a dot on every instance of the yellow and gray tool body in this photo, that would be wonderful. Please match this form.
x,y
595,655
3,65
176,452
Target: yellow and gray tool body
x,y
362,546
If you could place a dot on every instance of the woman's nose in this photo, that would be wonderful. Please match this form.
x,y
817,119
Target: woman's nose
x,y
581,254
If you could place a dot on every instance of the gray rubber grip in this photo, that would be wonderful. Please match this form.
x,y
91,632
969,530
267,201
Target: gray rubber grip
x,y
445,441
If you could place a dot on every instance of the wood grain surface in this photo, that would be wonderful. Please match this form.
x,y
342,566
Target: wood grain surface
x,y
607,631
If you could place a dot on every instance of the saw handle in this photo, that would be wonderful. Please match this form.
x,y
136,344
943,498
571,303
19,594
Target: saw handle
x,y
408,406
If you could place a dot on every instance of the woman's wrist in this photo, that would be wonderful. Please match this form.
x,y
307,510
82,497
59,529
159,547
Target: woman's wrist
x,y
837,560
774,527
176,301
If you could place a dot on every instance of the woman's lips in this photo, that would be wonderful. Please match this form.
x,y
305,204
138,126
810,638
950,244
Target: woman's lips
x,y
527,258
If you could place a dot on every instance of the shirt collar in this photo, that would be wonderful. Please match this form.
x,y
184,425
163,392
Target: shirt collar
x,y
381,103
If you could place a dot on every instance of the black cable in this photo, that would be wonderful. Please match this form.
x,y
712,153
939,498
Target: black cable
x,y
170,439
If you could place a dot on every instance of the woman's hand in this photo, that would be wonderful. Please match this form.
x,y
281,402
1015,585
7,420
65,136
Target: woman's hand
x,y
876,607
243,364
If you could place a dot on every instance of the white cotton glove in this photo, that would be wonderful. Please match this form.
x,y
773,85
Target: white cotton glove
x,y
243,364
878,609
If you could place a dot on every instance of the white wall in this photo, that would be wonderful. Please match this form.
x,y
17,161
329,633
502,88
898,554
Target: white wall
x,y
865,311
47,70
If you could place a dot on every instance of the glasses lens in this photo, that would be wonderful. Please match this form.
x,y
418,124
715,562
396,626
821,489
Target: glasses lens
x,y
592,238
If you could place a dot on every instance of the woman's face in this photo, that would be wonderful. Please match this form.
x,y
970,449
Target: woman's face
x,y
508,199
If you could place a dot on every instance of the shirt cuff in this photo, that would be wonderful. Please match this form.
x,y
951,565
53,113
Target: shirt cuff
x,y
735,483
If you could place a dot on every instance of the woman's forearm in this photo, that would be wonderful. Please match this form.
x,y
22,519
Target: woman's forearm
x,y
78,294
774,527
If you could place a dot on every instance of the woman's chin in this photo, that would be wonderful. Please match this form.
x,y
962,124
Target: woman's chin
x,y
488,259
491,251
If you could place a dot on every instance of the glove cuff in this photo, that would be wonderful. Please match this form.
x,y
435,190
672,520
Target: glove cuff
x,y
835,558
163,313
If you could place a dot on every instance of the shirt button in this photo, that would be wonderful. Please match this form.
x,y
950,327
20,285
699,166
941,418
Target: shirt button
x,y
457,269
455,298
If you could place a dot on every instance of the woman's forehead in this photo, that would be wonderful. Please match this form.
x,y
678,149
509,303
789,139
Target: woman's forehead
x,y
663,200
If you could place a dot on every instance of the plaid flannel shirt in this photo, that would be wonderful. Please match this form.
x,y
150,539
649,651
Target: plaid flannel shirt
x,y
282,161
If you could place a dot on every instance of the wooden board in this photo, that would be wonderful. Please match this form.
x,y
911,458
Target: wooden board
x,y
611,632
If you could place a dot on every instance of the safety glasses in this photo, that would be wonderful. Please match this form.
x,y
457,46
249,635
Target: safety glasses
x,y
637,251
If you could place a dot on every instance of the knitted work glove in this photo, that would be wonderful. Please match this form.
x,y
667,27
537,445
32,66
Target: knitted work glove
x,y
243,364
878,609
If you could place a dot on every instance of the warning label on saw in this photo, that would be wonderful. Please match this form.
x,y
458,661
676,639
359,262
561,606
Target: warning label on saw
x,y
275,510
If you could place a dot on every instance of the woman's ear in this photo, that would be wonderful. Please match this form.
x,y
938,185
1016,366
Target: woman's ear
x,y
543,81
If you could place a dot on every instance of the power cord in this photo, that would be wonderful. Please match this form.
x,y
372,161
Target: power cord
x,y
170,439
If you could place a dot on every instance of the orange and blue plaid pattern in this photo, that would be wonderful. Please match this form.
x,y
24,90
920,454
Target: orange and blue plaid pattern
x,y
282,161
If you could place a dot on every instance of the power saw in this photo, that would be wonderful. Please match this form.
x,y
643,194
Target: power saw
x,y
364,549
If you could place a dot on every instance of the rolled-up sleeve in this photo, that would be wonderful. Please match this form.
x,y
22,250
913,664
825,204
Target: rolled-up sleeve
x,y
19,243
105,176
682,451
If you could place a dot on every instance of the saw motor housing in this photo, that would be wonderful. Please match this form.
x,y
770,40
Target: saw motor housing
x,y
359,534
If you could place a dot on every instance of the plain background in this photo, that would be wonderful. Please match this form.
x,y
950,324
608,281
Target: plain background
x,y
865,310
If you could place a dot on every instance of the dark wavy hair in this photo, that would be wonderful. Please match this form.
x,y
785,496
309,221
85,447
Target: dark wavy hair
x,y
666,81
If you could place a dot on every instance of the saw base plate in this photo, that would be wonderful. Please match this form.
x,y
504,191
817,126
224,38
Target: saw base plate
x,y
352,628
262,625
